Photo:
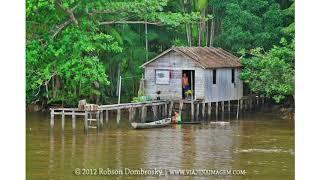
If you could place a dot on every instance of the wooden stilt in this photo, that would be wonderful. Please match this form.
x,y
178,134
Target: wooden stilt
x,y
97,120
73,121
229,106
241,104
118,116
52,118
209,110
155,111
192,111
130,114
133,114
62,120
238,109
203,110
101,118
180,107
170,108
198,110
217,109
222,107
166,110
143,113
107,116
86,121
90,117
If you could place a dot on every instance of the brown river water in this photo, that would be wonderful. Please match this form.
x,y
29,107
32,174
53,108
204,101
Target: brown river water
x,y
258,146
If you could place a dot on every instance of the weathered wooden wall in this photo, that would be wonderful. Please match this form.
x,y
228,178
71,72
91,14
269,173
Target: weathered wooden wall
x,y
175,63
224,89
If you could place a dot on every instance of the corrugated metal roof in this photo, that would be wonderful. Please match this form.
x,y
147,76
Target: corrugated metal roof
x,y
206,57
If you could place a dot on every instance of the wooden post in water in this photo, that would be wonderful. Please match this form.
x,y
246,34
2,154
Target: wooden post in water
x,y
229,106
73,121
238,109
143,113
166,110
222,107
155,109
217,109
97,120
203,110
62,120
192,111
241,104
101,118
118,116
198,109
86,121
90,117
170,108
52,118
209,110
180,107
130,114
107,116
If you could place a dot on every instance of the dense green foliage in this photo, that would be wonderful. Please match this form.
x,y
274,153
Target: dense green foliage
x,y
78,48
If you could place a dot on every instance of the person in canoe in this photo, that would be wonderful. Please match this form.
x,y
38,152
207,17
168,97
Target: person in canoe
x,y
176,119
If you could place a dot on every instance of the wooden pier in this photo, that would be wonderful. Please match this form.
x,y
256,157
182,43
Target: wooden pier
x,y
160,109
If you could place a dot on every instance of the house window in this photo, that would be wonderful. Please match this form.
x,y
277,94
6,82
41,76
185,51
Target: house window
x,y
162,76
214,76
232,76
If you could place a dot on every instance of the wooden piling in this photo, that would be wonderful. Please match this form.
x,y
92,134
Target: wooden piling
x,y
52,118
197,113
180,107
209,110
118,116
203,110
192,111
143,113
222,107
97,120
155,109
166,110
107,116
62,120
73,121
241,104
101,118
86,121
217,109
170,108
229,106
130,114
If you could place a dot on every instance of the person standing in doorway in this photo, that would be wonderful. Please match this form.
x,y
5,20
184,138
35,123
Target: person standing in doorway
x,y
185,84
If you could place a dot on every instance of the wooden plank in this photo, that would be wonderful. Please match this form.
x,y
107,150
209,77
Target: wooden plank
x,y
52,118
69,113
73,121
62,121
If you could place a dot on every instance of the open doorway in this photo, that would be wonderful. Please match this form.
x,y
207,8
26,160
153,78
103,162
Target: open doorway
x,y
188,83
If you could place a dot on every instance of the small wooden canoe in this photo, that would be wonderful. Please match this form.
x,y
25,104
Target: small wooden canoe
x,y
154,124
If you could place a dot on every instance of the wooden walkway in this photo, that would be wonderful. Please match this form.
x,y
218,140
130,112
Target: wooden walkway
x,y
161,108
